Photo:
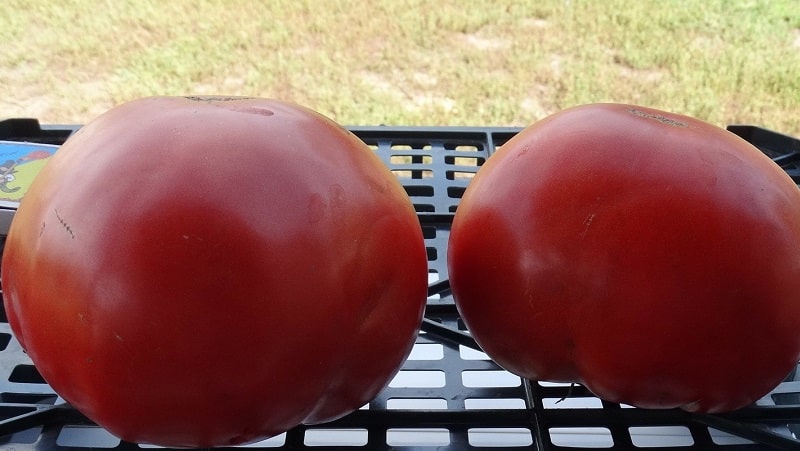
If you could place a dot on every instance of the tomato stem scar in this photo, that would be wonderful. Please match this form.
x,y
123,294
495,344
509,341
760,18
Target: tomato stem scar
x,y
658,117
215,98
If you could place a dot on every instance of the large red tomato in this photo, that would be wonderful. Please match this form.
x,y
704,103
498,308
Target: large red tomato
x,y
652,257
213,271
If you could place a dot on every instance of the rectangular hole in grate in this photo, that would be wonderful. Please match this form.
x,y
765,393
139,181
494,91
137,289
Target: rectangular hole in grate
x,y
427,351
419,190
489,378
581,437
401,147
410,159
723,438
86,437
417,437
433,254
553,384
501,138
336,437
464,161
661,436
416,404
424,208
494,403
499,437
28,398
413,173
9,412
272,442
28,436
26,374
5,339
464,147
428,232
786,398
456,192
468,148
456,175
433,276
418,379
572,403
467,353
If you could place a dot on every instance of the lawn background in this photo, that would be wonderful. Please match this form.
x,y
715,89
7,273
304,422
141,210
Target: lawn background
x,y
406,62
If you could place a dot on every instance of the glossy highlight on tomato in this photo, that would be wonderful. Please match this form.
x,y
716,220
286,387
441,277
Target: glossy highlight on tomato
x,y
206,271
650,256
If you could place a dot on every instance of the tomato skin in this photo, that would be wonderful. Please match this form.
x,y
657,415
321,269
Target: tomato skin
x,y
650,256
214,271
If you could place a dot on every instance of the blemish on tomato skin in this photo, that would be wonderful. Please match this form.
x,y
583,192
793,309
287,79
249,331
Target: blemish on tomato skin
x,y
338,196
523,151
64,224
316,208
261,111
587,223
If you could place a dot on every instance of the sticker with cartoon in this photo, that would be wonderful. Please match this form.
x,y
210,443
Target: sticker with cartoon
x,y
19,164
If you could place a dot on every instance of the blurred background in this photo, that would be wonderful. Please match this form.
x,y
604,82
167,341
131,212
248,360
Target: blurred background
x,y
408,62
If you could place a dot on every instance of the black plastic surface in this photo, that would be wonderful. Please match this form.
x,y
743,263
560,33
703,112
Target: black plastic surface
x,y
448,394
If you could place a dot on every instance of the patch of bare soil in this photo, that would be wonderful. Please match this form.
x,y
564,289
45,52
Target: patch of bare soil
x,y
33,93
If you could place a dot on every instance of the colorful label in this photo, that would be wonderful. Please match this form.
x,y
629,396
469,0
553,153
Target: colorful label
x,y
20,162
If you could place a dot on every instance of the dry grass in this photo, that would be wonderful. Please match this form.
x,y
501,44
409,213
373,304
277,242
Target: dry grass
x,y
408,62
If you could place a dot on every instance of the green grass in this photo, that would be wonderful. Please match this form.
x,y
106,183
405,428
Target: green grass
x,y
409,62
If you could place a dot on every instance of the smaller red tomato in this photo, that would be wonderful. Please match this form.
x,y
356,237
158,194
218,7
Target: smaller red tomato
x,y
651,256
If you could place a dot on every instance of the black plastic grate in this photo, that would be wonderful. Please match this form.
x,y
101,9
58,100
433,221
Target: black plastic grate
x,y
423,162
448,395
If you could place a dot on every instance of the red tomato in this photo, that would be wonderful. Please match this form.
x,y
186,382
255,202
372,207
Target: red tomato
x,y
214,271
650,256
